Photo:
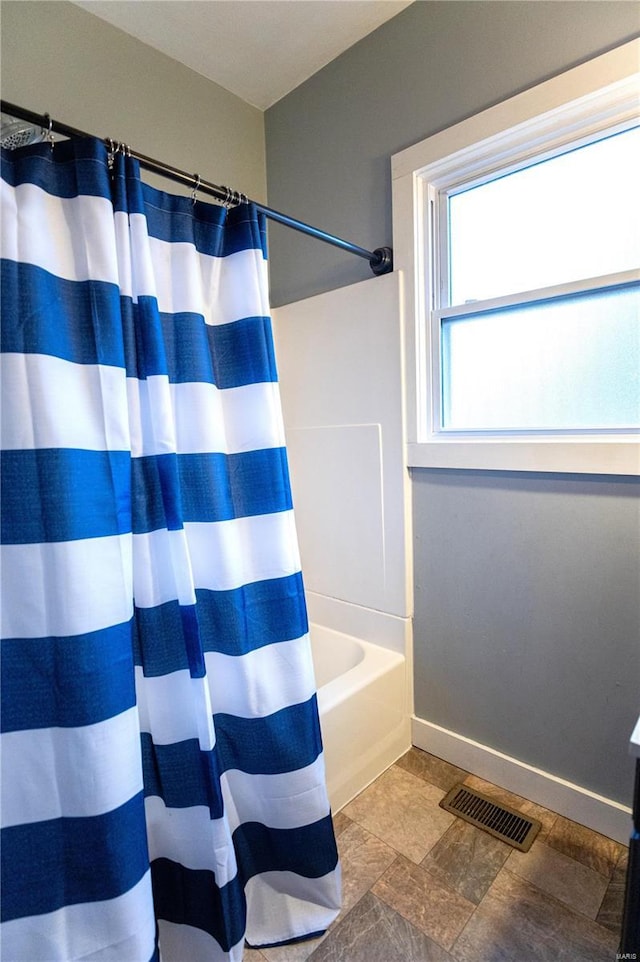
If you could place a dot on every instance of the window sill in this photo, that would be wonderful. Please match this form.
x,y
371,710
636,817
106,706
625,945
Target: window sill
x,y
613,456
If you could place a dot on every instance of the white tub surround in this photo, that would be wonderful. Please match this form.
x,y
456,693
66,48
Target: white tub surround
x,y
340,368
376,627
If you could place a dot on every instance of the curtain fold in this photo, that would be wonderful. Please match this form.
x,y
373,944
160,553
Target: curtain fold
x,y
163,779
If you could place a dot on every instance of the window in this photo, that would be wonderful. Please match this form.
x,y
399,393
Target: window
x,y
518,232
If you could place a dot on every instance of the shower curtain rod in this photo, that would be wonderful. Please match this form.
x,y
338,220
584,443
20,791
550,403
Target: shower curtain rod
x,y
380,259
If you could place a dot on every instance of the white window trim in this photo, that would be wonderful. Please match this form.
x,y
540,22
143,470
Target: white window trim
x,y
598,95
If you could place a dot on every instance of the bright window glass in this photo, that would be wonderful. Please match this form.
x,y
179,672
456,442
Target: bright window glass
x,y
569,364
574,216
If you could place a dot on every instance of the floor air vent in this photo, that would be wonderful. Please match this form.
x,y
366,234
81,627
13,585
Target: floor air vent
x,y
504,823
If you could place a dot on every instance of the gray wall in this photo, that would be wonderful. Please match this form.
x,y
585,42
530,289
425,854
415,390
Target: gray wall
x,y
61,60
330,140
527,587
527,617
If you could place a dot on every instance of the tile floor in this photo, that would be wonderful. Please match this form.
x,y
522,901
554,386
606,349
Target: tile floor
x,y
420,885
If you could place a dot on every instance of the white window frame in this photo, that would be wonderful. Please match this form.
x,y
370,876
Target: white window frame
x,y
598,96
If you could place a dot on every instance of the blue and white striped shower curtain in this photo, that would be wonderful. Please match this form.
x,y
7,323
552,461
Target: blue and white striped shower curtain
x,y
163,786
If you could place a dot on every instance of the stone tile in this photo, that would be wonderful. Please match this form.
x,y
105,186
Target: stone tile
x,y
571,882
546,818
467,860
610,914
516,921
433,908
364,858
581,843
373,932
431,769
252,955
340,822
402,810
623,861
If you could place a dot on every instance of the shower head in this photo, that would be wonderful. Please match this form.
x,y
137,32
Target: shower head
x,y
17,133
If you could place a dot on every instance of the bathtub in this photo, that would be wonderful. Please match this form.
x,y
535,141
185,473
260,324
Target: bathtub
x,y
362,701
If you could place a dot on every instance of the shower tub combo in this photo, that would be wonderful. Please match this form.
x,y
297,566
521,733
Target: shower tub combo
x,y
362,701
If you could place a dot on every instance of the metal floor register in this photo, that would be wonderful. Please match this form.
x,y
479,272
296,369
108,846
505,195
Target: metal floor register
x,y
500,821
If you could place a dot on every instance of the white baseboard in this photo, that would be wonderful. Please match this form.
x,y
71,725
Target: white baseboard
x,y
601,814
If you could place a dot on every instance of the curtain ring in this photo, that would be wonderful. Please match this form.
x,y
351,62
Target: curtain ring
x,y
233,198
48,133
227,201
196,184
